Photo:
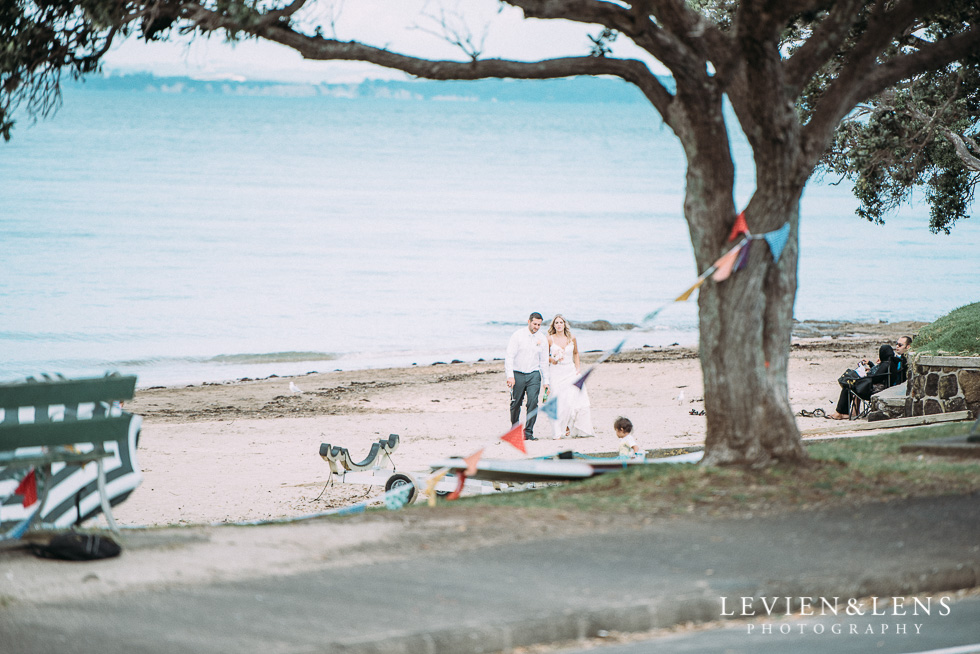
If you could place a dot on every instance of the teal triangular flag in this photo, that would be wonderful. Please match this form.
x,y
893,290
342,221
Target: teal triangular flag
x,y
777,241
397,497
19,530
650,316
609,353
550,408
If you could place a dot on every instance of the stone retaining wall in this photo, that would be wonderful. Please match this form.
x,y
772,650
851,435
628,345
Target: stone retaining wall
x,y
941,384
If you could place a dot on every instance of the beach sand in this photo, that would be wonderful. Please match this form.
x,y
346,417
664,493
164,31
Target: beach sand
x,y
249,449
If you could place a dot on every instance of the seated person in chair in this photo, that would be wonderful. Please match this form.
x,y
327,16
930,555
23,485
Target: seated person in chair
x,y
901,348
882,375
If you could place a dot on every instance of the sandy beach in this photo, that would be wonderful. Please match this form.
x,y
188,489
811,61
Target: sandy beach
x,y
248,449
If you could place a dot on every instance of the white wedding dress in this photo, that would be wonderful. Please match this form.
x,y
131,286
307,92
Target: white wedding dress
x,y
574,411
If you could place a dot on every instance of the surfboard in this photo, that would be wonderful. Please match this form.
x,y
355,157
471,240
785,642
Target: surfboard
x,y
520,470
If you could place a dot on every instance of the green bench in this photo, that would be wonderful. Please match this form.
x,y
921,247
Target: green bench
x,y
59,427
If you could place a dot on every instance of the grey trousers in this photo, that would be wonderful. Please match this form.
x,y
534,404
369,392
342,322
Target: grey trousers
x,y
525,383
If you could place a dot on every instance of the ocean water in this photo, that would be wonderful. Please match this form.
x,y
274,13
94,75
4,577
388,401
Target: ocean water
x,y
190,238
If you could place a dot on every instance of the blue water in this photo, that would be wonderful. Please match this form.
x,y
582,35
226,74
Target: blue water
x,y
190,238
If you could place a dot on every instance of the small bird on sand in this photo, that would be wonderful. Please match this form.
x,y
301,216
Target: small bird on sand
x,y
293,388
680,397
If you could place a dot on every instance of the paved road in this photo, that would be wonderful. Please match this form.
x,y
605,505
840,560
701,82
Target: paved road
x,y
540,591
955,632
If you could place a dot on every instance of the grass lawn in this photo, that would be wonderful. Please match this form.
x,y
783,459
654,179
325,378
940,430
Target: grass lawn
x,y
844,471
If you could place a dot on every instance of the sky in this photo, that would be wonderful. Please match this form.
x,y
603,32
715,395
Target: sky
x,y
407,26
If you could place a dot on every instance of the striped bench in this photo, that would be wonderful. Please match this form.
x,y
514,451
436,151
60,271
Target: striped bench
x,y
80,446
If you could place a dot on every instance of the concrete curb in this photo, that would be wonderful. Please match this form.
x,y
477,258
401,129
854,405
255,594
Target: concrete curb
x,y
571,626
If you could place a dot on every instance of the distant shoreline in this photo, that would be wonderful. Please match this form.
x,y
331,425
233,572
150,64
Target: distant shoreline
x,y
568,90
808,334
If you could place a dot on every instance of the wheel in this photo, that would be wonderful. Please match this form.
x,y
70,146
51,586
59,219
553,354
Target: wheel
x,y
401,479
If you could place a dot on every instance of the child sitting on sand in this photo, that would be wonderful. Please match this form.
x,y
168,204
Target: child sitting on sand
x,y
624,432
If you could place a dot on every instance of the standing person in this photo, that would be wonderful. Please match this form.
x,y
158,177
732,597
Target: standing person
x,y
574,413
526,366
904,342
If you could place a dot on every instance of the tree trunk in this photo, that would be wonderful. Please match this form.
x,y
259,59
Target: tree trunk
x,y
746,324
746,320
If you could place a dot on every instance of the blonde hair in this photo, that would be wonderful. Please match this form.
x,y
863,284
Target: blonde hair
x,y
551,328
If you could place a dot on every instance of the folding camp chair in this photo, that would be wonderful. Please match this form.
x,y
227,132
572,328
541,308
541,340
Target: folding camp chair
x,y
859,407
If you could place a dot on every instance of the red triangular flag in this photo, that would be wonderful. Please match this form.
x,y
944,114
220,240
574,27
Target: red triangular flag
x,y
472,460
516,437
459,487
740,227
28,488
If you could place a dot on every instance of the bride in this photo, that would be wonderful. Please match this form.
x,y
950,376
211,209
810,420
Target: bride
x,y
574,413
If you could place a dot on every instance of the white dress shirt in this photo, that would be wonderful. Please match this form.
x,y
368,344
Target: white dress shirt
x,y
527,352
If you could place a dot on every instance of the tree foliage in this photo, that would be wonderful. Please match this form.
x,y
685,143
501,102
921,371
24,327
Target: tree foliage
x,y
920,135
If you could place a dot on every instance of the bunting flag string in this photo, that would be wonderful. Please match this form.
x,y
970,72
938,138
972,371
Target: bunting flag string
x,y
732,261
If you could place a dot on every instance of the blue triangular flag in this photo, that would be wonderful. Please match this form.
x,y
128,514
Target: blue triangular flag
x,y
351,510
609,353
777,241
650,316
743,256
550,408
581,380
20,529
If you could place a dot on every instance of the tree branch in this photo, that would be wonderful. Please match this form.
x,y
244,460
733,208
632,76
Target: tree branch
x,y
630,70
861,77
683,40
453,29
767,18
821,46
959,142
929,57
629,22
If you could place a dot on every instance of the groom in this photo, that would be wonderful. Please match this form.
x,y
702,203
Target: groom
x,y
526,364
